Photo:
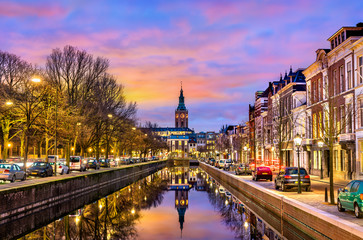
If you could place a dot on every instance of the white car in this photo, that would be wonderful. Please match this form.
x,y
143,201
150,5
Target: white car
x,y
220,163
61,168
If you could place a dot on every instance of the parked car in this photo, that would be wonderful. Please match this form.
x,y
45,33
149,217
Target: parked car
x,y
93,163
351,198
288,178
227,164
104,163
262,173
42,169
61,168
113,163
2,161
212,161
76,163
11,172
220,163
125,161
242,168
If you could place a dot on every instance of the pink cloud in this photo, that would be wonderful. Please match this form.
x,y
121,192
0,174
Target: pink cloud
x,y
11,9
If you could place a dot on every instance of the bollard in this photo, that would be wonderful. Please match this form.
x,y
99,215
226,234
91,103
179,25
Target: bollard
x,y
326,194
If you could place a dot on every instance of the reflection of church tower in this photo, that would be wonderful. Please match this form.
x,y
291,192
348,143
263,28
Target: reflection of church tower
x,y
181,204
181,113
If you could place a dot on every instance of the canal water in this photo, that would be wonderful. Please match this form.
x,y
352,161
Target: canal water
x,y
174,203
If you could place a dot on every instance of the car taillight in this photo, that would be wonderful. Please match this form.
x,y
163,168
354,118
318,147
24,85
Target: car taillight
x,y
258,172
307,176
287,176
6,171
60,167
361,196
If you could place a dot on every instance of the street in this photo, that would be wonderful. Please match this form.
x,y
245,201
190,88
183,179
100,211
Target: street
x,y
314,198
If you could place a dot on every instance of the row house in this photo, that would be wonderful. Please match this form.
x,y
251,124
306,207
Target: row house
x,y
323,103
230,142
206,143
334,94
288,94
271,119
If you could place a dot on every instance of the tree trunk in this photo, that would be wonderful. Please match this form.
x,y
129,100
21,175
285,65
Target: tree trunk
x,y
331,170
22,144
6,129
26,150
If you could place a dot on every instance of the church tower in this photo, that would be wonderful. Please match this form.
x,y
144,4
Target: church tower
x,y
181,113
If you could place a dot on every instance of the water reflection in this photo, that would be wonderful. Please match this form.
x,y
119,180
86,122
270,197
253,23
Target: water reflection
x,y
112,217
172,190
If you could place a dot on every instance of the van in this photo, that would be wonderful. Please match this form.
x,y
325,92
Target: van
x,y
76,163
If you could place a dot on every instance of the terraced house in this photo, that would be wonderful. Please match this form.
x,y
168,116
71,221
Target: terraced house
x,y
323,103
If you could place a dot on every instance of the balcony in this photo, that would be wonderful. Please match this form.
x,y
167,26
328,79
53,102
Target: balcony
x,y
346,137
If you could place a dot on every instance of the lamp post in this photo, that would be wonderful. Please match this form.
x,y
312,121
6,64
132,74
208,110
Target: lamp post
x,y
297,141
56,130
320,145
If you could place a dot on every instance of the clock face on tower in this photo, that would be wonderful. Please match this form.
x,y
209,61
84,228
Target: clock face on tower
x,y
182,115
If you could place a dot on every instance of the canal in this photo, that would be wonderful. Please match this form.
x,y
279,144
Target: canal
x,y
173,203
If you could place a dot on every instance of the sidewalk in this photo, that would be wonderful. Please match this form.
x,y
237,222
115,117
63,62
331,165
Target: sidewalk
x,y
337,182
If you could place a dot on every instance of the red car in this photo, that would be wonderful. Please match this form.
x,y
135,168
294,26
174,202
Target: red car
x,y
262,173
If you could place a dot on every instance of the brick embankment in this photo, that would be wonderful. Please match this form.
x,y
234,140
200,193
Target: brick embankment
x,y
292,218
29,205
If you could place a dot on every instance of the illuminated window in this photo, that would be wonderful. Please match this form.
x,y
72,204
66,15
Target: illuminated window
x,y
360,68
349,75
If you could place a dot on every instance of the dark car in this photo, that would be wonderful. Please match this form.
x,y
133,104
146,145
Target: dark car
x,y
212,161
104,163
42,169
351,198
262,173
93,163
288,178
243,168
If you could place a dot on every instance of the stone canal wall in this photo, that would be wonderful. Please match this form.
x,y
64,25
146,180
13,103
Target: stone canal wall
x,y
26,208
292,219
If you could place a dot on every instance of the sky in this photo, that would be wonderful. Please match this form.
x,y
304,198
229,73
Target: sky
x,y
222,51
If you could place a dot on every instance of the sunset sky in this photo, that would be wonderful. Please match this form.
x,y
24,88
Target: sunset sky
x,y
223,51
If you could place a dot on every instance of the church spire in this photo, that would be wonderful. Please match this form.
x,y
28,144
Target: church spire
x,y
181,105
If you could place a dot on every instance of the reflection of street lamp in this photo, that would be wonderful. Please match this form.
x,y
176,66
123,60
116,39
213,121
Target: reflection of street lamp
x,y
297,141
320,145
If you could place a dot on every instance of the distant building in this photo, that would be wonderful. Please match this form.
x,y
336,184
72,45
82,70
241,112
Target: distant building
x,y
181,139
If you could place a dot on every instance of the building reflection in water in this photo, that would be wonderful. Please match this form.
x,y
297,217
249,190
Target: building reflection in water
x,y
117,215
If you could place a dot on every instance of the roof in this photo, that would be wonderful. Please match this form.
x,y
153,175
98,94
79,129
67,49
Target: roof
x,y
161,129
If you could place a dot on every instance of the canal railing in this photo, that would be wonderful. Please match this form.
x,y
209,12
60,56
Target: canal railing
x,y
29,206
291,218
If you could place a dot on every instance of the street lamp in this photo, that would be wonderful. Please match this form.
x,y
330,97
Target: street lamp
x,y
9,103
297,141
320,145
36,80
